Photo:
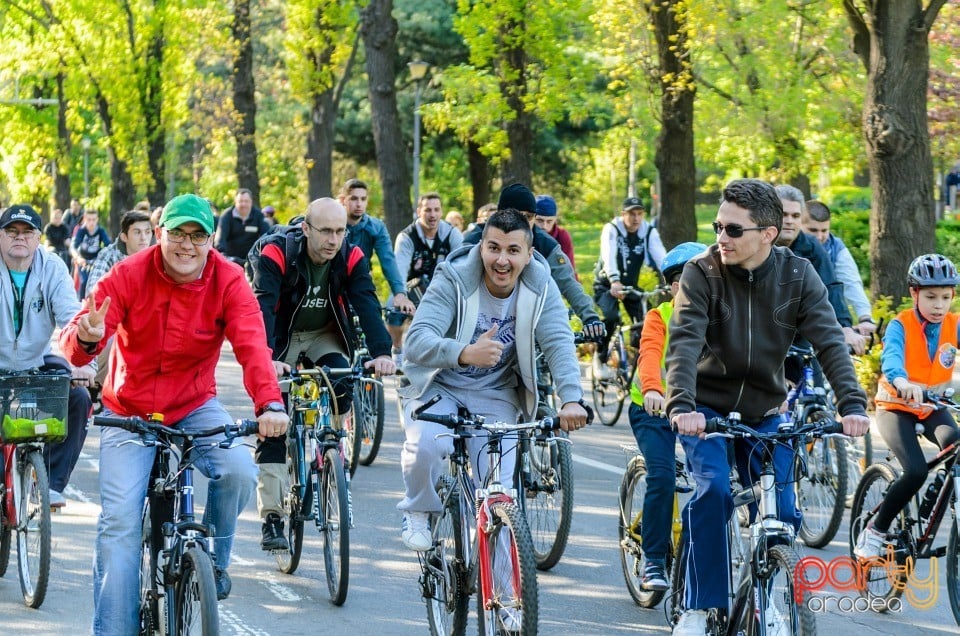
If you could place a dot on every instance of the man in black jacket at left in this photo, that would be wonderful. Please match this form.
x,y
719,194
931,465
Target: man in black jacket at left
x,y
305,280
240,227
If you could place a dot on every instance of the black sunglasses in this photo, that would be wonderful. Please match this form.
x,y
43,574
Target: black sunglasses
x,y
733,230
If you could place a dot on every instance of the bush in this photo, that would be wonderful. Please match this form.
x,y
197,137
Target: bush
x,y
846,198
853,228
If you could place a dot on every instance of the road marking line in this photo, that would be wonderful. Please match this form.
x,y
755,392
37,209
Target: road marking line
x,y
282,592
75,493
229,619
586,461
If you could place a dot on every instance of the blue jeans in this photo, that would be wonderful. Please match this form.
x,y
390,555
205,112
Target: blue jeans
x,y
707,513
124,472
657,443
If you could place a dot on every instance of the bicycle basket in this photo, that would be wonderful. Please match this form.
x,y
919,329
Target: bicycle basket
x,y
34,408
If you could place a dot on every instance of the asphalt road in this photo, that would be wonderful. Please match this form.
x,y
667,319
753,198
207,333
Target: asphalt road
x,y
584,594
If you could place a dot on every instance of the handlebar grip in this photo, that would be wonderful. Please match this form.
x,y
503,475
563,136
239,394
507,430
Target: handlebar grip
x,y
450,421
247,427
831,427
715,425
132,424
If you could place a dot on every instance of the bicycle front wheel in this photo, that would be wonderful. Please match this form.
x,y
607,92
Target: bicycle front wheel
x,y
32,503
879,581
334,524
196,595
368,405
4,549
507,598
783,612
149,611
821,490
444,567
548,498
953,571
288,560
633,490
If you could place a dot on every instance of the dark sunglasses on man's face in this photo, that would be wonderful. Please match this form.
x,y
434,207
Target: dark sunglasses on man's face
x,y
733,230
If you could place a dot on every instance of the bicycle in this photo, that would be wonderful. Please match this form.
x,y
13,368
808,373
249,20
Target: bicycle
x,y
609,394
178,592
914,530
34,409
481,542
762,593
544,474
821,468
319,481
366,432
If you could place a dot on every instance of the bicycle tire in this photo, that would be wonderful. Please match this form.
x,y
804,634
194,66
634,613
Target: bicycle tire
x,y
33,528
548,498
953,572
368,396
350,442
289,560
335,526
608,395
444,578
195,597
871,489
821,490
783,559
149,610
674,604
4,549
509,537
633,490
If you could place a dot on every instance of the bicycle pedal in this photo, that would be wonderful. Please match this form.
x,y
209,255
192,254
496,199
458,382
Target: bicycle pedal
x,y
939,552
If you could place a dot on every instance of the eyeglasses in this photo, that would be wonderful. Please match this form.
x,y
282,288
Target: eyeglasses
x,y
325,231
179,236
733,230
14,233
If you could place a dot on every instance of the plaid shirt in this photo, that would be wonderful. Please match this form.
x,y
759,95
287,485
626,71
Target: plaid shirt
x,y
106,259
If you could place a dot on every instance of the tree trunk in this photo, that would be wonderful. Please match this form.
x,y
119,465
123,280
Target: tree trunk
x,y
245,102
152,105
674,156
379,31
516,168
480,178
122,192
61,184
892,41
323,118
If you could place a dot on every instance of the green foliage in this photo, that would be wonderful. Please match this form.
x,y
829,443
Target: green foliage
x,y
843,198
948,239
867,366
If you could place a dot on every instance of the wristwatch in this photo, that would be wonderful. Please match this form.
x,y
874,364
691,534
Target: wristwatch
x,y
273,407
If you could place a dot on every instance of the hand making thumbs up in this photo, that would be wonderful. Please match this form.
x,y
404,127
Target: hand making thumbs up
x,y
485,352
90,326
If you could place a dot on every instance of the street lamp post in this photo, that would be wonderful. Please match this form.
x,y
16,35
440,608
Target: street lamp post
x,y
418,71
85,142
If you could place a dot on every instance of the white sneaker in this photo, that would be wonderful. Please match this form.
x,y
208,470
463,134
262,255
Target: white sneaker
x,y
691,623
601,371
57,499
415,531
870,543
510,619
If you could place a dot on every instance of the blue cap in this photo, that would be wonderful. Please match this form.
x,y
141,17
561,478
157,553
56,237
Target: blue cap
x,y
546,206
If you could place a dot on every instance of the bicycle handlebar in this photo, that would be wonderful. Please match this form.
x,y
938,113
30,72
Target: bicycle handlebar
x,y
734,427
241,428
478,421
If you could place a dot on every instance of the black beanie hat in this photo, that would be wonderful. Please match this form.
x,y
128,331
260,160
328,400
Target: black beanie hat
x,y
519,197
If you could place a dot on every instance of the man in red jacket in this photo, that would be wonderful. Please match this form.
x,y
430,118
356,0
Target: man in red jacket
x,y
170,307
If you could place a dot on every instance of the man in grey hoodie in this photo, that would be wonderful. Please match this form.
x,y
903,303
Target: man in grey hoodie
x,y
472,342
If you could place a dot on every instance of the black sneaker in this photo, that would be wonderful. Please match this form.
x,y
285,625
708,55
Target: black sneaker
x,y
272,534
654,577
223,583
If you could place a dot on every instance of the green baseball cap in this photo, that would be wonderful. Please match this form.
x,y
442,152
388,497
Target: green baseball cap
x,y
187,208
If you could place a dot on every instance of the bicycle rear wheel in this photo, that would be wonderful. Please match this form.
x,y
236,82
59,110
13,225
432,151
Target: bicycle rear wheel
x,y
33,527
334,524
633,490
784,612
821,490
548,498
444,578
289,560
196,595
511,605
878,582
953,572
368,404
4,549
350,442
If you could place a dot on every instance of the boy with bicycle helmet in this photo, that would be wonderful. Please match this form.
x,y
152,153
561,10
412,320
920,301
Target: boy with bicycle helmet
x,y
919,352
655,439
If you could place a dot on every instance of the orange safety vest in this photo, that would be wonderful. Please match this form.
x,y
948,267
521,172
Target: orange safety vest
x,y
933,374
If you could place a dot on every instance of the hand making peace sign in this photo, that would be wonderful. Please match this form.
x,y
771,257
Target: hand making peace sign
x,y
90,326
